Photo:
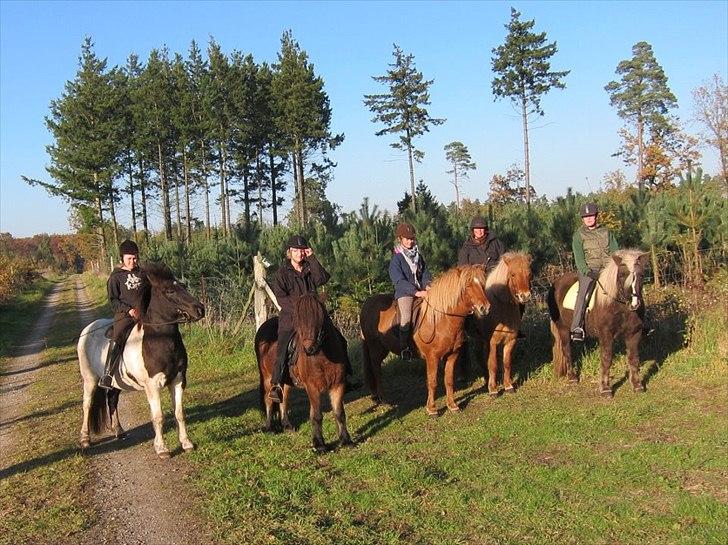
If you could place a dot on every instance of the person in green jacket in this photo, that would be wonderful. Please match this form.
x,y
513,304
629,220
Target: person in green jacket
x,y
593,244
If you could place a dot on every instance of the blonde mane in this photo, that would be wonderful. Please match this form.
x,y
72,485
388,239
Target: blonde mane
x,y
447,289
607,289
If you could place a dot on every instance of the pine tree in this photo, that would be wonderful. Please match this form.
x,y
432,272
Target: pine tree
x,y
458,156
84,122
642,97
711,110
524,75
402,110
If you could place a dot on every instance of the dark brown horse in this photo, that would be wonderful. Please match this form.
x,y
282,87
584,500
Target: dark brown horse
x,y
618,311
437,329
508,286
154,357
317,366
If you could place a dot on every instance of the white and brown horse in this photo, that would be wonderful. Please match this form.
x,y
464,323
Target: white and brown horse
x,y
154,357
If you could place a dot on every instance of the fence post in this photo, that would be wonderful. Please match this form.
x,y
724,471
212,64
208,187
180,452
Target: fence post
x,y
261,290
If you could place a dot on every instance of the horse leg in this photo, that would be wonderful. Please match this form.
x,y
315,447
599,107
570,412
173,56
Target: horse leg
x,y
316,418
283,409
431,385
492,367
605,352
507,360
633,359
449,382
155,408
113,399
373,356
88,393
336,395
565,340
175,392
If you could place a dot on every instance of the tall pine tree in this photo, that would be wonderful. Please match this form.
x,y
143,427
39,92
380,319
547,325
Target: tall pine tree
x,y
458,155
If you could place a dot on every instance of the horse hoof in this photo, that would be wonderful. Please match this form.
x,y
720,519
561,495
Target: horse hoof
x,y
510,390
320,449
640,389
164,455
189,447
288,428
375,400
348,443
85,444
432,413
607,394
494,394
454,409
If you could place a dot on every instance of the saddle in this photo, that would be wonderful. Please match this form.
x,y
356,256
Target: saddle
x,y
573,292
291,348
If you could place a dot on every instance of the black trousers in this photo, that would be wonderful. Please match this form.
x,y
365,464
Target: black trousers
x,y
122,326
284,337
586,287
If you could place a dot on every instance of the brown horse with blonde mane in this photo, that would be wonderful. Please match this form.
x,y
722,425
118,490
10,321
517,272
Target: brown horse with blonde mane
x,y
618,311
508,286
317,365
437,328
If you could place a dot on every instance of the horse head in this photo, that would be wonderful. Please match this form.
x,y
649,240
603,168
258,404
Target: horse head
x,y
172,302
630,273
309,316
474,276
519,276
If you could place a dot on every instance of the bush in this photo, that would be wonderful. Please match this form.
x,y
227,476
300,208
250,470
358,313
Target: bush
x,y
15,273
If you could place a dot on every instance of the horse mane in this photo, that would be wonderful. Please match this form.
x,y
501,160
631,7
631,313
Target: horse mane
x,y
496,285
607,289
310,308
447,289
156,273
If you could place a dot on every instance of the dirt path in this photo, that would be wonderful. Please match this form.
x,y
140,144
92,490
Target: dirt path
x,y
138,498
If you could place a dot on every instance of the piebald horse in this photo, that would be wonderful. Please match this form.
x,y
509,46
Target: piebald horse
x,y
154,357
437,329
616,310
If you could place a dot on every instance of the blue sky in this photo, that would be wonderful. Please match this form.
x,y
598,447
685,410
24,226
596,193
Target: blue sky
x,y
349,42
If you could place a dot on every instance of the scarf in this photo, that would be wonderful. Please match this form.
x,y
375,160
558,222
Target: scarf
x,y
412,257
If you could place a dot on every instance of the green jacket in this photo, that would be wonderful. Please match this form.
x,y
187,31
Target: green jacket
x,y
592,248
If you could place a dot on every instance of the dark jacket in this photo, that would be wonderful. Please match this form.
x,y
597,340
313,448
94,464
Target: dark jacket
x,y
486,253
289,284
126,289
403,279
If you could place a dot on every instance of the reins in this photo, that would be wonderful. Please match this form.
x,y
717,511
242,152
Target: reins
x,y
152,324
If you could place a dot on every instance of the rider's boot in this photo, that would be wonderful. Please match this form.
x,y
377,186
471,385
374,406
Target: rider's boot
x,y
404,342
110,366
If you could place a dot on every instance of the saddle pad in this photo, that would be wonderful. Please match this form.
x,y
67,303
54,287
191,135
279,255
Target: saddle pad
x,y
570,297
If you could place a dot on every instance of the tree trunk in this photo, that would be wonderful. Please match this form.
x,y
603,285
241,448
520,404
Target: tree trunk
x,y
246,198
164,186
526,160
640,153
223,207
101,233
143,191
186,174
132,196
655,266
114,224
259,175
413,201
179,207
302,183
274,197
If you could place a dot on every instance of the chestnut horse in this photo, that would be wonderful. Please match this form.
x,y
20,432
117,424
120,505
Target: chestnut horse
x,y
507,287
154,357
318,366
437,329
618,311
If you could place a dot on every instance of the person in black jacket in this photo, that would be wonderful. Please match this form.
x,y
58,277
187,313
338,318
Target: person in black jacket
x,y
125,289
482,247
299,274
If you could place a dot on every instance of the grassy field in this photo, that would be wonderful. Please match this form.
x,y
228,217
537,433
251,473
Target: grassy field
x,y
552,464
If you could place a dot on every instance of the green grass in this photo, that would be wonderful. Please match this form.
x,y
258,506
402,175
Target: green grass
x,y
552,464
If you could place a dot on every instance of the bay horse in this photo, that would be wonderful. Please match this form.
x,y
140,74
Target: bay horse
x,y
617,310
154,357
318,366
507,287
437,329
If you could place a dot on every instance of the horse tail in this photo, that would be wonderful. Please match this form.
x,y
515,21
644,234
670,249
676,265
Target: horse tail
x,y
557,350
99,417
553,305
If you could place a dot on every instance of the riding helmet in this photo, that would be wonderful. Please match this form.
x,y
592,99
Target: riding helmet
x,y
588,209
405,230
128,247
297,241
478,222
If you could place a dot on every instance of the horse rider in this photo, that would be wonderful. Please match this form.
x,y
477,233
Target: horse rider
x,y
299,274
125,288
482,247
409,274
593,244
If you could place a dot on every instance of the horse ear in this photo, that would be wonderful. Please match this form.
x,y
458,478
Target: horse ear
x,y
617,259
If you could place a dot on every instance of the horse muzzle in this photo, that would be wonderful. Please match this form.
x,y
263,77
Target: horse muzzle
x,y
481,310
635,303
523,297
197,312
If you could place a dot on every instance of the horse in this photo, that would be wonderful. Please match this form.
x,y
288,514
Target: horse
x,y
437,329
154,356
507,287
616,309
318,366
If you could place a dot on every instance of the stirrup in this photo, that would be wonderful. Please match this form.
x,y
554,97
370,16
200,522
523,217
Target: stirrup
x,y
106,382
406,354
276,393
577,334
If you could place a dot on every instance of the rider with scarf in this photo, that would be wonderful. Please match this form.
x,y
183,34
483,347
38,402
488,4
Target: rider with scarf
x,y
409,274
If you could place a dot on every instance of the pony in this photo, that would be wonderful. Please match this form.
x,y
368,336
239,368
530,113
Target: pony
x,y
437,331
318,366
507,287
616,309
154,356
